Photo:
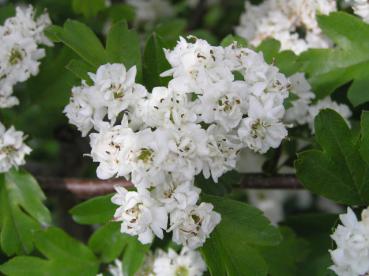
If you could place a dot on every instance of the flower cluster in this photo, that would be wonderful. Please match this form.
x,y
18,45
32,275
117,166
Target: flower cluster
x,y
352,239
220,100
303,110
186,262
12,148
293,23
20,38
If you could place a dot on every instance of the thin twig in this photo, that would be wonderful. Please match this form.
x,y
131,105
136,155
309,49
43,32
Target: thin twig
x,y
86,188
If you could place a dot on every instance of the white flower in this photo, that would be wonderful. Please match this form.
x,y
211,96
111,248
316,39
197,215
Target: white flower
x,y
196,67
223,152
191,227
327,103
109,147
165,107
140,214
116,269
293,23
187,262
350,258
361,8
12,148
118,88
224,107
261,130
26,23
176,195
299,111
81,111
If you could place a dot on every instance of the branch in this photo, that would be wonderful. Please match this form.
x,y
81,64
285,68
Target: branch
x,y
86,188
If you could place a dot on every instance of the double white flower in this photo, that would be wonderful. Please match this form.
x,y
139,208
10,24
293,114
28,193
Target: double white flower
x,y
292,22
350,258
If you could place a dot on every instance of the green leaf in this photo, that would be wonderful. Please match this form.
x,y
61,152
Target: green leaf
x,y
65,256
108,242
123,46
6,12
170,31
232,245
316,230
82,40
118,12
337,171
88,8
80,69
349,60
284,259
154,62
94,211
286,61
364,148
134,256
229,39
21,211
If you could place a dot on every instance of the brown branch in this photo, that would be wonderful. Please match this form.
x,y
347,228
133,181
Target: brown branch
x,y
86,188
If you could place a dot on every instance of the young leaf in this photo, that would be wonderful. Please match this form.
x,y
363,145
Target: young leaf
x,y
232,246
80,69
123,46
134,256
283,259
170,31
364,148
65,256
108,242
349,60
97,210
337,171
229,39
21,211
154,62
82,40
88,8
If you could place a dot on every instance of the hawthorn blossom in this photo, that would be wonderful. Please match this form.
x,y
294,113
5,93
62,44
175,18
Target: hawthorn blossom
x,y
219,101
298,113
327,103
12,148
350,258
140,214
192,226
293,23
20,54
148,11
361,8
187,262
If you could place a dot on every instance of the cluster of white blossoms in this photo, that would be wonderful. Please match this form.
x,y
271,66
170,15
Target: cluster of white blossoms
x,y
351,256
360,8
12,148
303,110
220,100
292,22
161,263
20,38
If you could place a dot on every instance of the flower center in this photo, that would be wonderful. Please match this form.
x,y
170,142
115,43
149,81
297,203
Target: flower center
x,y
182,271
145,155
15,56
